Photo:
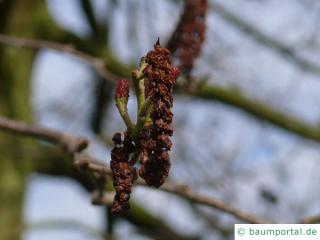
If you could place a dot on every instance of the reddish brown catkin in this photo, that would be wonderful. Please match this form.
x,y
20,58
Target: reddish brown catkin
x,y
186,41
155,140
122,173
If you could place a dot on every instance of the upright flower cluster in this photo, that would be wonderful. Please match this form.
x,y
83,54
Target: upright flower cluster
x,y
189,35
155,141
122,173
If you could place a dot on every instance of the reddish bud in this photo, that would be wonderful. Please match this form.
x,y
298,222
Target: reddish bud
x,y
122,89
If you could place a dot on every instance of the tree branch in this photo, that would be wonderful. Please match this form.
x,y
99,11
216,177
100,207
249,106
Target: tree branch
x,y
77,145
262,38
96,63
259,110
91,19
69,142
65,224
311,220
181,190
208,92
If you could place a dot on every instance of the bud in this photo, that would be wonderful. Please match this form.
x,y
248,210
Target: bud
x,y
121,97
122,89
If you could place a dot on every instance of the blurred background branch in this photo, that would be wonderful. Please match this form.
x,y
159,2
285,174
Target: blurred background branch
x,y
276,46
84,161
208,92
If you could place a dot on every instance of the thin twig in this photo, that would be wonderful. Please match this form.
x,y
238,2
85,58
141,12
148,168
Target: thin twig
x,y
65,224
69,142
96,63
185,192
77,145
311,220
